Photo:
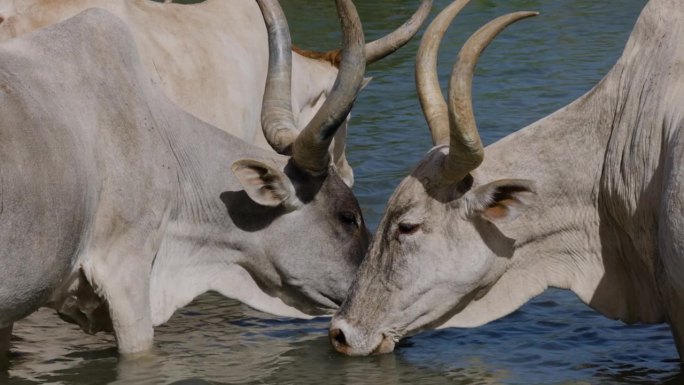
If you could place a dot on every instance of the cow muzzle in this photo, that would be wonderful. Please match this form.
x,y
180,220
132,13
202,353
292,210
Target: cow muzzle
x,y
351,341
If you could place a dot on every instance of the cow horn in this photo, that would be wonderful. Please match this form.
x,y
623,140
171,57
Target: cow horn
x,y
310,149
386,45
391,42
427,84
277,119
465,147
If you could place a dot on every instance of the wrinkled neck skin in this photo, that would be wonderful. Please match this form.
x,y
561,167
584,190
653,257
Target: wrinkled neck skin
x,y
598,165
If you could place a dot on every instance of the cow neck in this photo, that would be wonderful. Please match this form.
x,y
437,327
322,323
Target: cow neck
x,y
204,246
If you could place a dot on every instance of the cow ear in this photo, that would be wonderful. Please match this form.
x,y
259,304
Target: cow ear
x,y
502,200
266,184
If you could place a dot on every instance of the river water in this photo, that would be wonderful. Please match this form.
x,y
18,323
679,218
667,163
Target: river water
x,y
536,67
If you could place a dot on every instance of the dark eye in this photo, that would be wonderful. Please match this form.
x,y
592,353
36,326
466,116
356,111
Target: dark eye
x,y
348,218
408,228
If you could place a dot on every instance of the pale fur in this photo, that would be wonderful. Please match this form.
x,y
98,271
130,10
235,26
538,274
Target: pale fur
x,y
112,196
211,59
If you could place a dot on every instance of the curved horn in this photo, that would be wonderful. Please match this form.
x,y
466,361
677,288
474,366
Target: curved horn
x,y
427,84
386,45
465,147
310,149
277,119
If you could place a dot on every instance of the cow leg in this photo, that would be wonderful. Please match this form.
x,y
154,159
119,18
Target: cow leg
x,y
5,334
673,293
129,308
678,334
123,279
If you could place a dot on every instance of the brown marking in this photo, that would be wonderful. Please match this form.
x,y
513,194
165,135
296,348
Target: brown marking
x,y
333,57
496,211
501,209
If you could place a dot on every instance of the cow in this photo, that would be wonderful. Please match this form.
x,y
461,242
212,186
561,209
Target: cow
x,y
117,207
211,58
590,199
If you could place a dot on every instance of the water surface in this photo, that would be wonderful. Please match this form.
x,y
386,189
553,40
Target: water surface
x,y
534,68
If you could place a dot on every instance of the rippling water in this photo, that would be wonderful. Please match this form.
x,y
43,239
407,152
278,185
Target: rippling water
x,y
536,67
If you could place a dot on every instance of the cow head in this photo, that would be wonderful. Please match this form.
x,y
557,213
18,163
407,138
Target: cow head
x,y
306,194
438,245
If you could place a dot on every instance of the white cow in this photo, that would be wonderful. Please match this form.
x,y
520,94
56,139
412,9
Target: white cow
x,y
117,207
590,199
211,58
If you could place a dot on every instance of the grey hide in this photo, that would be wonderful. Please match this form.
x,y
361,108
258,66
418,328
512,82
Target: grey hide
x,y
114,202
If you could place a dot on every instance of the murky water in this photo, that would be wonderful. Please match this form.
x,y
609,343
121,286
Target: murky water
x,y
535,68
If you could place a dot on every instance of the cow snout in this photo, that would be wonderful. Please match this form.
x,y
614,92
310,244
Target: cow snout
x,y
351,341
340,331
338,340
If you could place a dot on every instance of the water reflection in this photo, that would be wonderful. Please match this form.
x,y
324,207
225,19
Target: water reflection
x,y
536,67
219,341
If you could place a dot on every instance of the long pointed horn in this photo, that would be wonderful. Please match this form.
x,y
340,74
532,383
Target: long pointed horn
x,y
386,45
277,119
427,84
465,147
310,149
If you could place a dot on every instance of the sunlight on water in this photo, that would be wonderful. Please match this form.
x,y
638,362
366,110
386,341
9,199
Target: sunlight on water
x,y
534,68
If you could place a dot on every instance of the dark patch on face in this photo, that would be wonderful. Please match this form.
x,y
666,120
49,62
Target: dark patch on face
x,y
344,213
306,185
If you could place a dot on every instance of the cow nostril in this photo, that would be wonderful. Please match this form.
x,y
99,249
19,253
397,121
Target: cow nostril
x,y
337,337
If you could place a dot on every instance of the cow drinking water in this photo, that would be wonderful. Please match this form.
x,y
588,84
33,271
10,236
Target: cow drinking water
x,y
117,207
590,199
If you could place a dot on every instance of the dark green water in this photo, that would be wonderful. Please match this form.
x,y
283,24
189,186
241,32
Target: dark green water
x,y
532,70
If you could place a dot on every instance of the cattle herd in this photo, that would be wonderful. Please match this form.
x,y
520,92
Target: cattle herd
x,y
142,163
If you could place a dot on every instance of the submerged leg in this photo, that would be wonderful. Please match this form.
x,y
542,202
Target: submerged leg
x,y
5,334
129,308
677,326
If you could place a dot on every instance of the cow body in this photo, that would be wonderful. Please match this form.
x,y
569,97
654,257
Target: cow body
x,y
117,207
211,58
588,199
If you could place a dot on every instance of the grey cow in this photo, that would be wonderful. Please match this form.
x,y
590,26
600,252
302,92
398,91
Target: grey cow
x,y
590,199
116,207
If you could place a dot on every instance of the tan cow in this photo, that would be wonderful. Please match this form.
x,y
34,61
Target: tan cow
x,y
211,58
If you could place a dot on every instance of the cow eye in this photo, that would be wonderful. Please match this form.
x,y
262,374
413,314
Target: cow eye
x,y
348,218
408,228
